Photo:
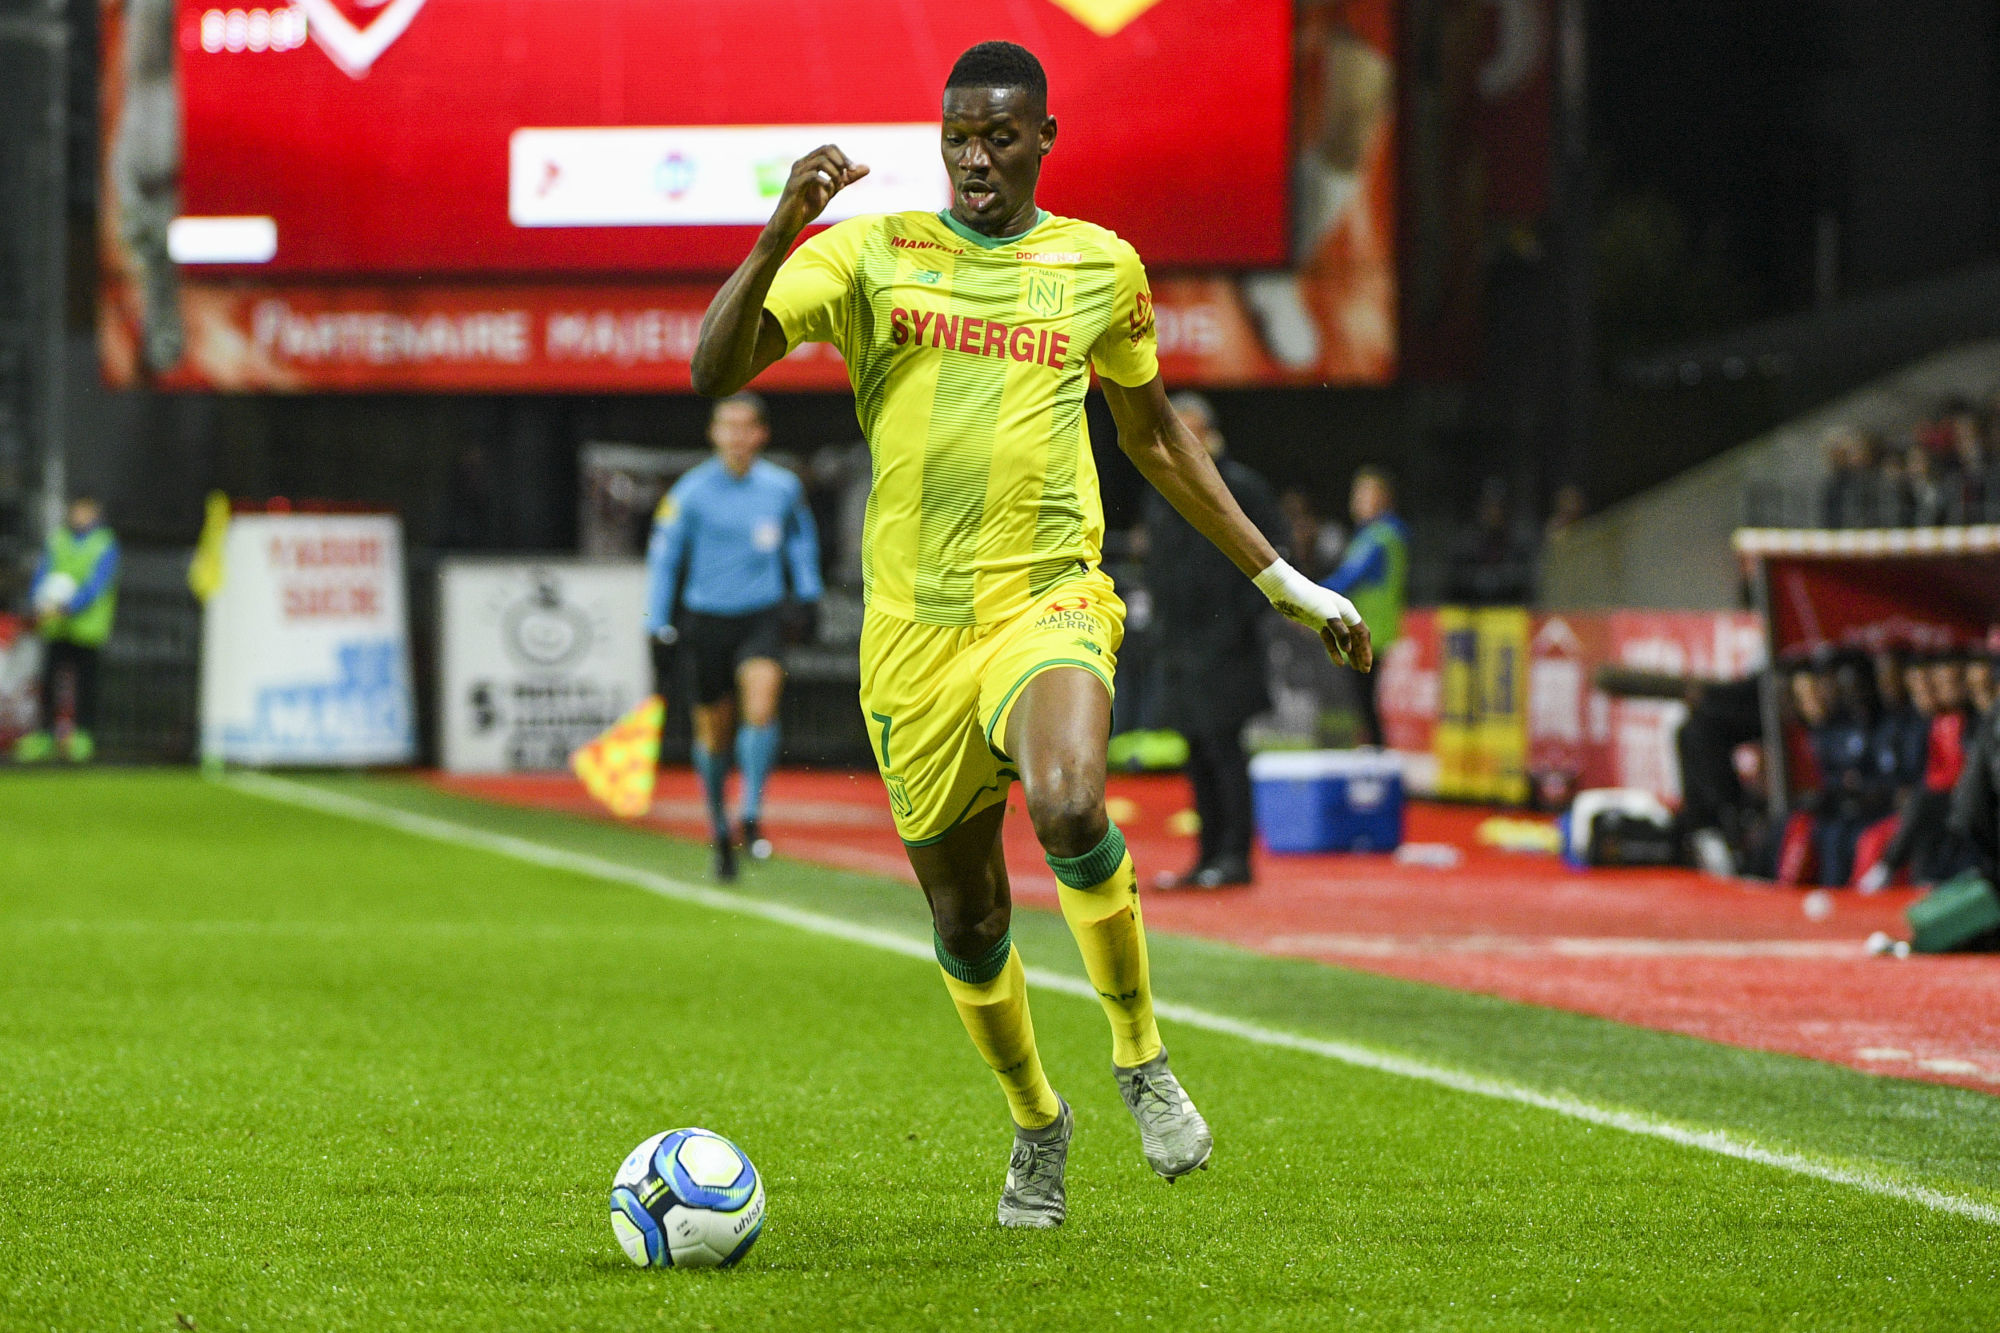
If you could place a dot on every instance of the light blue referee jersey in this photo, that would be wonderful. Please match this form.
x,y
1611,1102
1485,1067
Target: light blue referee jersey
x,y
726,543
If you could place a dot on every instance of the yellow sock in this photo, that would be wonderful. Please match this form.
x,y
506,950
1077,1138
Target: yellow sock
x,y
1100,900
991,994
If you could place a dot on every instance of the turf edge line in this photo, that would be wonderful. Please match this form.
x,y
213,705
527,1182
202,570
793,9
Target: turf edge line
x,y
1719,1142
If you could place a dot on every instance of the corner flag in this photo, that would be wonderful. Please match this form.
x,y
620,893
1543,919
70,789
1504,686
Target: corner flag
x,y
617,768
205,570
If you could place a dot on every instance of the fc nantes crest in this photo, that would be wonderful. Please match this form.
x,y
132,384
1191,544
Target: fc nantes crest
x,y
1048,293
617,768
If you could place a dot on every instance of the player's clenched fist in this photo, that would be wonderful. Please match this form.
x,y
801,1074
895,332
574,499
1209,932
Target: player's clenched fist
x,y
815,179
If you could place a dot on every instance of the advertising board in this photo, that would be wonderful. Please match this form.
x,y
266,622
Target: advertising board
x,y
305,647
537,658
465,196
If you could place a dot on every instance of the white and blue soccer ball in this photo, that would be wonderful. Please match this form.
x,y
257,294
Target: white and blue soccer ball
x,y
54,592
687,1199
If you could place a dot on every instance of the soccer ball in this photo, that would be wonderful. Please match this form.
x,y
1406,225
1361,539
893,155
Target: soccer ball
x,y
54,592
687,1199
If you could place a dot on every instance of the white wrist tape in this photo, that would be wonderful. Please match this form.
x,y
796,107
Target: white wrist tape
x,y
1297,597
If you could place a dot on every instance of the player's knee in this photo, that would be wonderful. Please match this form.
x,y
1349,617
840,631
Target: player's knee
x,y
1068,814
970,935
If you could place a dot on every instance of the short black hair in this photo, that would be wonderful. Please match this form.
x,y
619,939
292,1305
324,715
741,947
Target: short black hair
x,y
999,65
743,398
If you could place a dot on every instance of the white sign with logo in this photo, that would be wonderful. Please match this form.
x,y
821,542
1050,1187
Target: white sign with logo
x,y
306,646
537,659
709,175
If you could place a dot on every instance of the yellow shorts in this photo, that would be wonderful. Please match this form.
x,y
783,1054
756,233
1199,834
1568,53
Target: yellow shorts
x,y
937,697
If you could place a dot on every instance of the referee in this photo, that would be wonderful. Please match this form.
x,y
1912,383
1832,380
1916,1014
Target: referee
x,y
724,540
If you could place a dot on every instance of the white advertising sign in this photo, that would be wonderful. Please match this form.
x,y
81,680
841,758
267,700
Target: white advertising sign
x,y
704,175
306,646
537,658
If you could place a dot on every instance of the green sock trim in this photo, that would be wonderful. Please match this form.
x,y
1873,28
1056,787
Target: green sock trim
x,y
1094,866
981,969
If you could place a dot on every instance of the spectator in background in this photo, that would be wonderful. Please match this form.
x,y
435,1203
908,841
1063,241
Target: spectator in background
x,y
1926,489
1211,668
1903,722
1975,802
75,593
1848,496
1374,574
1316,542
1980,691
1893,503
1836,702
1923,841
1493,561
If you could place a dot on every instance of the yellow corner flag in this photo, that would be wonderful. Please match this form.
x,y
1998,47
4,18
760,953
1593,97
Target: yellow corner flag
x,y
617,768
205,570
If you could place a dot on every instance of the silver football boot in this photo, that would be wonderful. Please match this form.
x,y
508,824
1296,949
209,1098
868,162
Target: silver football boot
x,y
1034,1193
1172,1132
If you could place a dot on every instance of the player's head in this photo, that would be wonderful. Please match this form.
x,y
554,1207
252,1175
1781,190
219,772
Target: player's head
x,y
737,429
1374,494
1196,414
85,513
995,133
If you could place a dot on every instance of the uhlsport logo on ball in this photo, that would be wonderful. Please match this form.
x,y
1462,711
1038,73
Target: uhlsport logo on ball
x,y
687,1199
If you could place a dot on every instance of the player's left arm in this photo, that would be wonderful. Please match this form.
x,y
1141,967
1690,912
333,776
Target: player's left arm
x,y
1169,456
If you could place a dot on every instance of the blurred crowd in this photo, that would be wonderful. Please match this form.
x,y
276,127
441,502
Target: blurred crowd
x,y
1943,472
1903,745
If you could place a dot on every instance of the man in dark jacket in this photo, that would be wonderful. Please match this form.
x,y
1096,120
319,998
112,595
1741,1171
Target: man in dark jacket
x,y
1211,655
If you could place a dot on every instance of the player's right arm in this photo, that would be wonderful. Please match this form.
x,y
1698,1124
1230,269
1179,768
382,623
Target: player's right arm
x,y
739,337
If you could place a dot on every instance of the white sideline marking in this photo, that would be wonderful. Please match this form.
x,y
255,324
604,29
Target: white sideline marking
x,y
1719,1142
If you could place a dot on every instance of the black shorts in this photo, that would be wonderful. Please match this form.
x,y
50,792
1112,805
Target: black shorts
x,y
712,647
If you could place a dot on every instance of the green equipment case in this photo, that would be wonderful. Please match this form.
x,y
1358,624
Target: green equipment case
x,y
1958,915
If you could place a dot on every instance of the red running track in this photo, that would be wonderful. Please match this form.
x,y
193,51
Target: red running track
x,y
1667,949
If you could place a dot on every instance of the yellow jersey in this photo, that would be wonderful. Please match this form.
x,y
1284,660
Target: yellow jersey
x,y
970,356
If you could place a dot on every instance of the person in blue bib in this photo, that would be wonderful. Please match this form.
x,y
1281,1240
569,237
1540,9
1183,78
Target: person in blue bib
x,y
76,595
1373,574
726,540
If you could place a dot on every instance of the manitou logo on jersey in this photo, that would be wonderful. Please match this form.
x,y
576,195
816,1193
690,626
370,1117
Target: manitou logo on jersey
x,y
973,336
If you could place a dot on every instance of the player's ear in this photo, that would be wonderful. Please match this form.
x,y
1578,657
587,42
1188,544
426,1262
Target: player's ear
x,y
1048,135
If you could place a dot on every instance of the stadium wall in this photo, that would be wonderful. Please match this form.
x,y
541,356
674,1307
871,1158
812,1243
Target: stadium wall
x,y
1669,547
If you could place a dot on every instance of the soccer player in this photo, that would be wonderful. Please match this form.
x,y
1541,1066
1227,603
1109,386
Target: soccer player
x,y
991,633
733,527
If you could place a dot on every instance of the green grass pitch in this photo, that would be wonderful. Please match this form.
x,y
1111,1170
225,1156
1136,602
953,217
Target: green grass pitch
x,y
268,1067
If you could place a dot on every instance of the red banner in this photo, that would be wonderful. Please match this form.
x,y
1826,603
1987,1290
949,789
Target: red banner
x,y
1932,600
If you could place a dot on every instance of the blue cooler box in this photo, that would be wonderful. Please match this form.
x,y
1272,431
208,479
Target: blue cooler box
x,y
1328,800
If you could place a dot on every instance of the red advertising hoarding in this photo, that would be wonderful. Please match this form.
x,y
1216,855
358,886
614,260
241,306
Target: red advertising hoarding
x,y
382,138
1576,731
459,195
